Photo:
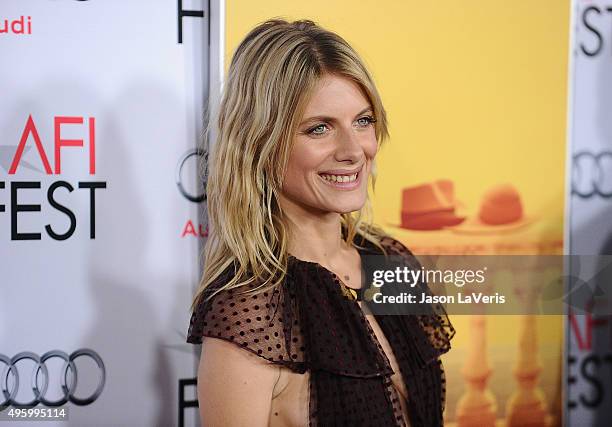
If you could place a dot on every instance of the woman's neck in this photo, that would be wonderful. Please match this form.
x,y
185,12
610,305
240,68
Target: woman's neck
x,y
316,237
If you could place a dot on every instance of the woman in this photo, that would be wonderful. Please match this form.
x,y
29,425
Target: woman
x,y
285,339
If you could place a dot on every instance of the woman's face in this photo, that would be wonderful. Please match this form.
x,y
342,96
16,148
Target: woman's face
x,y
333,149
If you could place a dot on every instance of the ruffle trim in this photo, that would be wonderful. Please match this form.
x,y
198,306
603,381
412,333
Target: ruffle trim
x,y
309,324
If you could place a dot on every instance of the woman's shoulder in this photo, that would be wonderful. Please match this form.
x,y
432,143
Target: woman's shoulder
x,y
255,321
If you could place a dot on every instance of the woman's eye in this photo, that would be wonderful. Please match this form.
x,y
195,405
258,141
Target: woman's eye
x,y
365,121
317,130
321,129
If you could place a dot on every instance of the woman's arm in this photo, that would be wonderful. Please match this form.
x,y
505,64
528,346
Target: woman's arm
x,y
234,386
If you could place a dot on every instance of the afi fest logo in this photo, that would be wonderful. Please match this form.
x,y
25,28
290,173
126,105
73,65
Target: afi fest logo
x,y
12,160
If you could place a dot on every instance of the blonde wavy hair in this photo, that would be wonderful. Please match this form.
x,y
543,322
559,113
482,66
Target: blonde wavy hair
x,y
271,77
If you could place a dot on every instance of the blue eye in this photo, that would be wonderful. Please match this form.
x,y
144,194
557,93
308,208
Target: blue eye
x,y
321,129
366,120
313,130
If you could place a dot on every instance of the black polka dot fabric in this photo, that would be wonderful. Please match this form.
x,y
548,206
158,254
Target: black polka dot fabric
x,y
312,324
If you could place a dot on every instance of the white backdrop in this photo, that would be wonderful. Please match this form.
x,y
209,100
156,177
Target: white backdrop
x,y
112,74
589,356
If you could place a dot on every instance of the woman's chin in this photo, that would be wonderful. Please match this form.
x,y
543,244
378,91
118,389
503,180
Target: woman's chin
x,y
347,207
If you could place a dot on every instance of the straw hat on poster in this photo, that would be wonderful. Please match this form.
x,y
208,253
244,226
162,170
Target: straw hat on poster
x,y
501,211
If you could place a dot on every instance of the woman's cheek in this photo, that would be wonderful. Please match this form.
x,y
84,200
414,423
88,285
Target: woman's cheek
x,y
371,148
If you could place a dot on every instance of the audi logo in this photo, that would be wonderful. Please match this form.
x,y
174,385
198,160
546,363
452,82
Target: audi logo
x,y
197,153
40,369
592,174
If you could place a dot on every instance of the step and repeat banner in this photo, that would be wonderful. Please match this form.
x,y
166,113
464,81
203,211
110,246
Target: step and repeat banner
x,y
589,356
101,219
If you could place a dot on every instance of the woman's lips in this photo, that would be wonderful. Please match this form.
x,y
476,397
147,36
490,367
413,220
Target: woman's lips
x,y
344,185
341,171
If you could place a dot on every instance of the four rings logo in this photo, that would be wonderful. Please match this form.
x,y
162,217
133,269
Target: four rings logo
x,y
592,174
40,369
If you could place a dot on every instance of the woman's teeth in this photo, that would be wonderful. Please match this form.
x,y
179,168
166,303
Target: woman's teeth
x,y
340,178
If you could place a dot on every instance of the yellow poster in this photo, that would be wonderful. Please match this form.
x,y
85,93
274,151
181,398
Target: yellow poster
x,y
476,97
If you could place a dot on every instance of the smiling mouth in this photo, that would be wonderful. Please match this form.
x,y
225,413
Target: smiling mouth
x,y
344,180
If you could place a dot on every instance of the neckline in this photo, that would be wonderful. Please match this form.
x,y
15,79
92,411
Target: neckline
x,y
362,252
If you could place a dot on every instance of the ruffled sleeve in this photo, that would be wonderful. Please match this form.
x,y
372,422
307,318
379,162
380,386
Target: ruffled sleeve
x,y
252,322
305,324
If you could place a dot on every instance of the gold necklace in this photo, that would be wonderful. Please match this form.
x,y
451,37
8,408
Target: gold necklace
x,y
346,290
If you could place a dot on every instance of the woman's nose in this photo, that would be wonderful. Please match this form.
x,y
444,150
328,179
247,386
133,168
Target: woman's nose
x,y
348,146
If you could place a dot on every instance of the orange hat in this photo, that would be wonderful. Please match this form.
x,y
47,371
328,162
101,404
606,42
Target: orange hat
x,y
429,206
501,210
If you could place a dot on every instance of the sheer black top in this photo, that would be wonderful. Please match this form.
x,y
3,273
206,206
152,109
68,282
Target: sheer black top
x,y
312,323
